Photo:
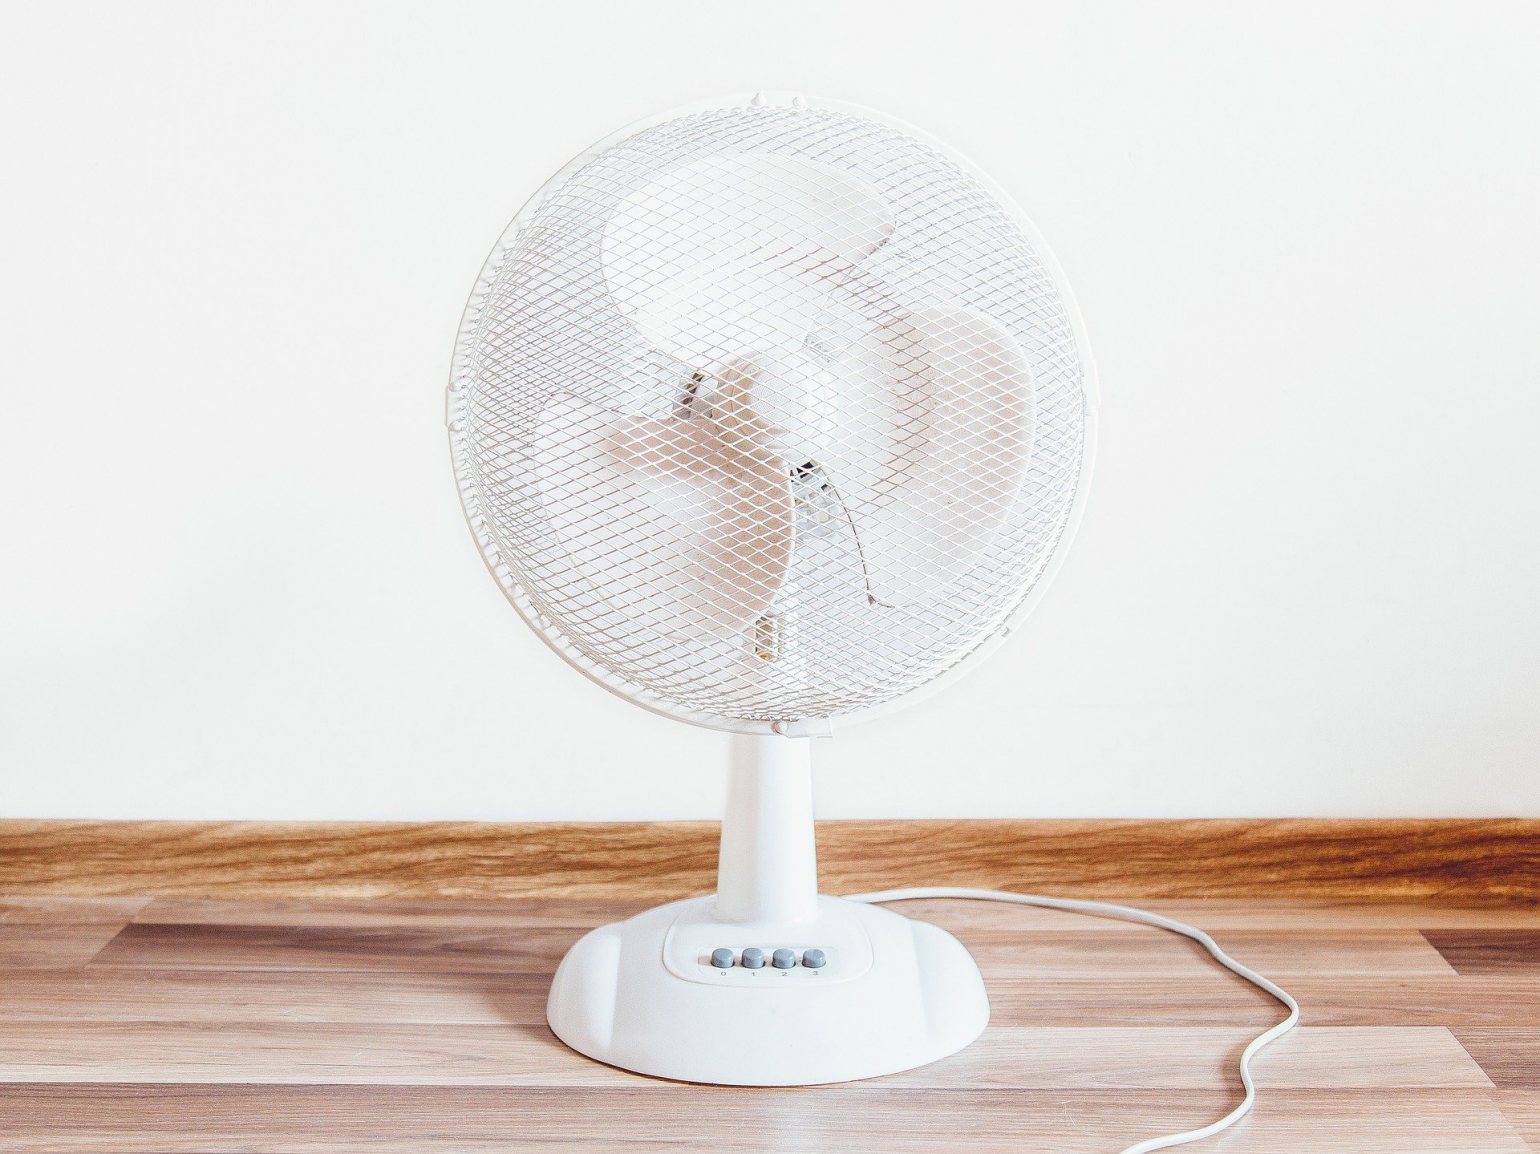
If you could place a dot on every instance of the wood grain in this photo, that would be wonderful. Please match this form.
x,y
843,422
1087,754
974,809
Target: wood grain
x,y
503,1054
1489,951
1522,1109
60,932
323,1024
863,1119
1510,1055
459,949
213,996
1454,861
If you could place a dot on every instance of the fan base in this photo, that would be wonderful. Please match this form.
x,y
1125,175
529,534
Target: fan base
x,y
892,993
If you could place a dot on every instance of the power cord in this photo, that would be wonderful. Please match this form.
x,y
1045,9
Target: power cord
x,y
1143,917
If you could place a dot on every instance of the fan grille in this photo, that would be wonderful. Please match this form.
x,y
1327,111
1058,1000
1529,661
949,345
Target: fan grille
x,y
553,330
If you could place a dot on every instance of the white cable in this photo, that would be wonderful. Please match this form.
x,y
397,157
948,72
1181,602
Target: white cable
x,y
1144,917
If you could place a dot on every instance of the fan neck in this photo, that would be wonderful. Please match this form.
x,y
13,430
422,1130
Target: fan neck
x,y
767,871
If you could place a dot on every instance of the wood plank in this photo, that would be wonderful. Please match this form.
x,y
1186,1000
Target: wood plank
x,y
1522,1110
107,994
1214,998
525,948
52,946
59,932
1201,997
1060,954
1416,1000
1219,914
1106,1057
1016,1057
1509,1054
866,1118
500,949
1209,913
51,910
112,994
1489,951
1471,861
1002,955
416,912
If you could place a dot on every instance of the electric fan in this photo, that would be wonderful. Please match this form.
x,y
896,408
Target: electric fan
x,y
768,415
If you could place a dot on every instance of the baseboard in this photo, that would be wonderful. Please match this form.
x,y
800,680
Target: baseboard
x,y
1481,861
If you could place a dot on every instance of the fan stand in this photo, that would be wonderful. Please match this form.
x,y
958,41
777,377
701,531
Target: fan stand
x,y
892,993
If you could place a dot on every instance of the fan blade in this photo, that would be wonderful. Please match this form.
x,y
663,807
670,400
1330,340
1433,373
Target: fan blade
x,y
673,532
755,242
935,441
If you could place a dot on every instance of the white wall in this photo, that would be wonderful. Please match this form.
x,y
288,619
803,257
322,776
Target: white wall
x,y
234,580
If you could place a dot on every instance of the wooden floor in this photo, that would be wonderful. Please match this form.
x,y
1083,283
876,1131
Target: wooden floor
x,y
219,1024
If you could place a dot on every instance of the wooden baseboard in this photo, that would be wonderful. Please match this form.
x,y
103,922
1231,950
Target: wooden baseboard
x,y
1481,861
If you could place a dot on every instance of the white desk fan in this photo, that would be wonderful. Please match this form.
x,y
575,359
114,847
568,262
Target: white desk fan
x,y
766,415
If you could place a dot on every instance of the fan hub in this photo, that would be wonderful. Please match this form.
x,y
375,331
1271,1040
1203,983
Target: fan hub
x,y
796,397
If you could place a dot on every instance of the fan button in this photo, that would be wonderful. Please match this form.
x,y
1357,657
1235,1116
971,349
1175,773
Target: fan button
x,y
753,958
784,959
722,959
814,959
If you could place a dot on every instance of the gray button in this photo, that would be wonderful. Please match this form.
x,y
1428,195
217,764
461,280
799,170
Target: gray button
x,y
722,959
783,959
814,959
753,958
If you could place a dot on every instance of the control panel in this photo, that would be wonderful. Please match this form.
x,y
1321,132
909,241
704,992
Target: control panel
x,y
751,963
827,949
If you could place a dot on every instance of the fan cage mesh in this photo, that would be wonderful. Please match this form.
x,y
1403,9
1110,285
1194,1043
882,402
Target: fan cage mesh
x,y
546,326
